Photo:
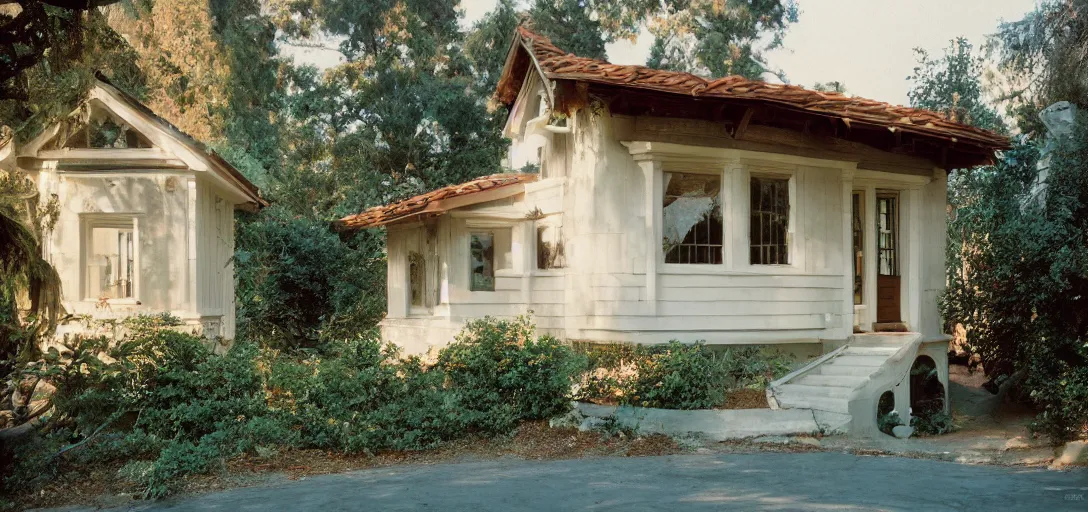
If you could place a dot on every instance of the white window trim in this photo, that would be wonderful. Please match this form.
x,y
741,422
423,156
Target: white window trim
x,y
516,246
794,235
89,221
708,168
554,221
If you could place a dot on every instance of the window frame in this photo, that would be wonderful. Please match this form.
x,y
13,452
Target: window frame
x,y
794,252
490,226
555,223
711,169
88,223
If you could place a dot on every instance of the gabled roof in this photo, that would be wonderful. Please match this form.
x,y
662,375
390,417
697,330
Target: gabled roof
x,y
200,146
487,188
530,50
184,151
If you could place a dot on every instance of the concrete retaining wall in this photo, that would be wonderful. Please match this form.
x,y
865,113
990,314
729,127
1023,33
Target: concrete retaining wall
x,y
718,425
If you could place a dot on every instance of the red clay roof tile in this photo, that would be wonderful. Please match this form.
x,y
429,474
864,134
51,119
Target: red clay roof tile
x,y
400,210
558,64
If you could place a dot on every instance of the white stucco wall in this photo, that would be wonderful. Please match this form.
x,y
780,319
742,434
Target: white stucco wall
x,y
616,287
184,237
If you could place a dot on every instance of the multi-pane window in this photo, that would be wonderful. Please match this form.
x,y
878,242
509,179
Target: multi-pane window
x,y
693,228
887,225
769,221
482,258
417,268
857,227
549,248
110,257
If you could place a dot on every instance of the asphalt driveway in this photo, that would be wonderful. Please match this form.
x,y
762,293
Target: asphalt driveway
x,y
765,481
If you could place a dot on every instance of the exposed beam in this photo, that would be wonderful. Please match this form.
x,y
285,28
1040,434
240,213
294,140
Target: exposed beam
x,y
742,126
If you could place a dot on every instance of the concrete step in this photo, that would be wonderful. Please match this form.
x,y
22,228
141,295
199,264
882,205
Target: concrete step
x,y
842,369
814,391
832,422
849,360
870,351
846,381
823,403
880,340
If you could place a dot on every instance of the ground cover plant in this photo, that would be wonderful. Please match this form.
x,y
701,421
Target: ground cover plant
x,y
677,375
161,404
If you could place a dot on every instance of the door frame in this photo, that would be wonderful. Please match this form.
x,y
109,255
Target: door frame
x,y
896,263
909,189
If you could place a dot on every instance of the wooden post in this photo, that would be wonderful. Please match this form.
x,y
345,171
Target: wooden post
x,y
652,186
848,251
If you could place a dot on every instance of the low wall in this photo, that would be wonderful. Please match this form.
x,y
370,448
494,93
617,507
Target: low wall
x,y
717,425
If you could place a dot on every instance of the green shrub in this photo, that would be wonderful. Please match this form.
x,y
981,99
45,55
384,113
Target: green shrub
x,y
1018,276
675,375
298,281
501,373
163,400
679,376
932,423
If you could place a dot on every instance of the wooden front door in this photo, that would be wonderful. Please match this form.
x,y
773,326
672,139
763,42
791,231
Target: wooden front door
x,y
888,281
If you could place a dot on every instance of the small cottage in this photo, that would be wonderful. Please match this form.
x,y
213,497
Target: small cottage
x,y
145,220
670,206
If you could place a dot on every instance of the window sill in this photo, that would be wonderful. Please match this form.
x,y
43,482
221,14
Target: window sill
x,y
721,269
115,302
554,272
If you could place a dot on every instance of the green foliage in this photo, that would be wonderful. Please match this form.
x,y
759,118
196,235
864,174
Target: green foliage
x,y
675,375
717,38
932,424
504,373
1043,59
679,376
952,85
1019,279
296,278
163,403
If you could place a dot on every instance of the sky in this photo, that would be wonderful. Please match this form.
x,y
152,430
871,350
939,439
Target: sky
x,y
866,44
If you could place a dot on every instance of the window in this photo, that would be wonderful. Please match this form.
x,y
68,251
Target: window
x,y
887,229
770,221
549,248
106,134
416,276
490,250
693,228
482,251
110,258
856,226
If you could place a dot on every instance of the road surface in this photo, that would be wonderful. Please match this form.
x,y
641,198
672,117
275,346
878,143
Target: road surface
x,y
764,481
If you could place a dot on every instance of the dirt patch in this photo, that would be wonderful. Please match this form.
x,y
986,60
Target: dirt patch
x,y
101,486
964,376
746,399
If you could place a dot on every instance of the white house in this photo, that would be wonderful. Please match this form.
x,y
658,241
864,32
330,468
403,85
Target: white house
x,y
669,206
146,214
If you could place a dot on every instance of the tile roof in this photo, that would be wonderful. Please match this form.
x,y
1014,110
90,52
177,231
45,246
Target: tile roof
x,y
555,64
431,201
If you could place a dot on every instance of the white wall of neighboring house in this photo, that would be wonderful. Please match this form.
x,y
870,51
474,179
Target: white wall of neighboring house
x,y
139,230
602,187
183,241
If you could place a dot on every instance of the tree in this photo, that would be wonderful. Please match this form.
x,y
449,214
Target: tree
x,y
1017,265
1044,59
952,85
833,86
719,37
27,281
31,29
487,42
571,25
